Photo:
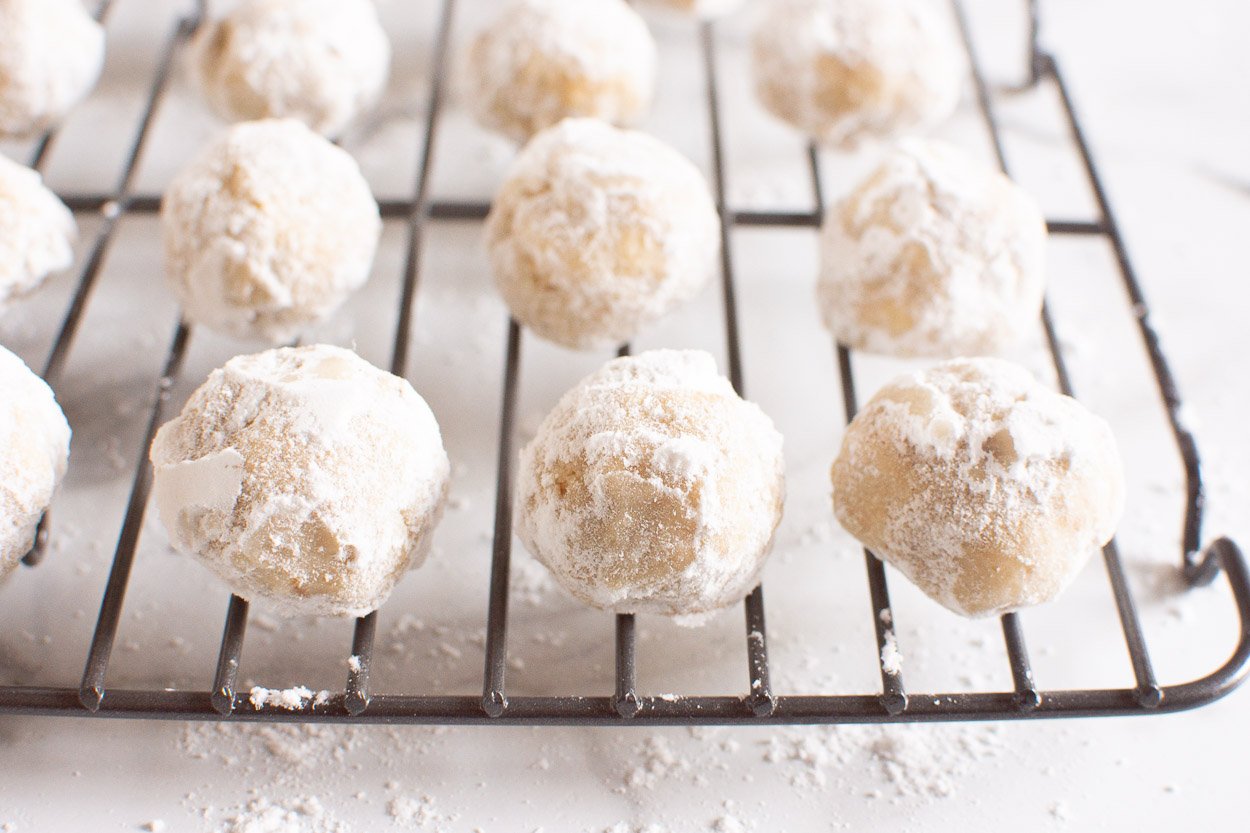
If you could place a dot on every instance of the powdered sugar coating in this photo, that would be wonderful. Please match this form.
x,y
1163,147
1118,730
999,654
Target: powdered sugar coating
x,y
934,254
323,62
541,61
987,489
598,231
303,477
37,232
51,52
34,450
652,487
268,230
846,71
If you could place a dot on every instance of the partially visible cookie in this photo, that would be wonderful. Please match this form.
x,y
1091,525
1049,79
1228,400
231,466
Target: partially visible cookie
x,y
323,62
34,450
51,52
37,232
849,71
541,61
704,9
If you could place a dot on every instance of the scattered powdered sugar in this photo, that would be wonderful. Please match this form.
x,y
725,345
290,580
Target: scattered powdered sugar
x,y
531,582
287,698
908,763
281,765
891,656
302,815
419,813
660,762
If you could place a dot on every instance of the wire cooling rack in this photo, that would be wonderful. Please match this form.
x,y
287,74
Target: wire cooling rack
x,y
760,704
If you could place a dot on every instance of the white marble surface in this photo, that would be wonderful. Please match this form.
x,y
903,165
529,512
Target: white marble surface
x,y
1164,99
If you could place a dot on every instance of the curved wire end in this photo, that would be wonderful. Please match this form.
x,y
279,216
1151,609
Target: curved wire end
x,y
1202,568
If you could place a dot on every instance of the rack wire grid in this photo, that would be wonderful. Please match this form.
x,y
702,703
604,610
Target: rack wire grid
x,y
760,704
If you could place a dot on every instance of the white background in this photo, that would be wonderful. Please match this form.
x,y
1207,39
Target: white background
x,y
1164,99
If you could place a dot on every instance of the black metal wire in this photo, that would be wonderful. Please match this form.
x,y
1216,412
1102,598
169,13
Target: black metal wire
x,y
760,706
760,697
362,641
494,697
229,655
460,211
627,703
893,694
91,691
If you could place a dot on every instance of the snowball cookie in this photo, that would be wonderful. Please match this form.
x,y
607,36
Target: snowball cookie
x,y
323,62
652,488
304,477
37,232
935,254
34,449
51,52
706,9
986,489
268,231
845,71
597,231
541,61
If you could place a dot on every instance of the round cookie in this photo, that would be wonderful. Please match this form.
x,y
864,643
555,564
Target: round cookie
x,y
847,71
323,62
37,232
51,53
268,231
704,9
541,61
934,254
652,487
303,477
985,488
34,450
597,231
